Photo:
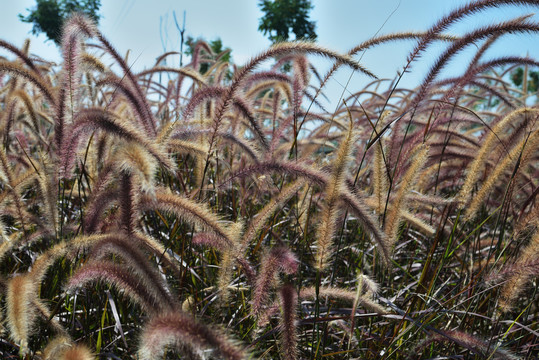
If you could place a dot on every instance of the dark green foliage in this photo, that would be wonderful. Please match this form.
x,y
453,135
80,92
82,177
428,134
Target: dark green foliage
x,y
49,15
216,45
533,79
281,17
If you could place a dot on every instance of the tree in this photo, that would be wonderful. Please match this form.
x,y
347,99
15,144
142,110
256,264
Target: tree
x,y
533,79
215,45
49,15
284,16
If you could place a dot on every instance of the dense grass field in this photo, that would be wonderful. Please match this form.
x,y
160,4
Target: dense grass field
x,y
222,211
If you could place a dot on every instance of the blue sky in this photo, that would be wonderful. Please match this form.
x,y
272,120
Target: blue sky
x,y
341,24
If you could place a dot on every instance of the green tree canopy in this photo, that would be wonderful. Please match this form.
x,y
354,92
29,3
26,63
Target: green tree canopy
x,y
284,16
49,15
533,79
217,48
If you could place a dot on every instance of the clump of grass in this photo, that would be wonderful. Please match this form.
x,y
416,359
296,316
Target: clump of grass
x,y
138,216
